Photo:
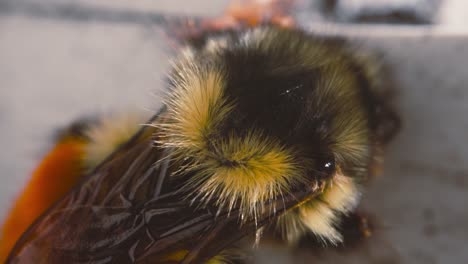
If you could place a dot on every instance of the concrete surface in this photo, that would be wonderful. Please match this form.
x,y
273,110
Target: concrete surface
x,y
55,70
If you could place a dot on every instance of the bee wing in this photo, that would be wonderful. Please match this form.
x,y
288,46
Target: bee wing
x,y
129,210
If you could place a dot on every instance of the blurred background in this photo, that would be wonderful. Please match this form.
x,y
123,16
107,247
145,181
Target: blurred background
x,y
64,59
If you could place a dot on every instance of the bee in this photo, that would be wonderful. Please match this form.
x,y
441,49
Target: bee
x,y
264,127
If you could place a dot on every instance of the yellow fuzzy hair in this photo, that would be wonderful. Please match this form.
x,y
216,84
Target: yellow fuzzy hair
x,y
196,105
351,144
263,168
109,133
320,215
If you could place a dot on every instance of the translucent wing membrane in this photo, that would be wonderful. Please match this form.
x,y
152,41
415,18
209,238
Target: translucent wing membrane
x,y
129,210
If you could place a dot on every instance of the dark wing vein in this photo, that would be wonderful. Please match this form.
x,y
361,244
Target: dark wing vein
x,y
129,211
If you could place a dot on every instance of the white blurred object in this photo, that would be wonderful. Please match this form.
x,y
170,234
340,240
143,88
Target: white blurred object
x,y
453,13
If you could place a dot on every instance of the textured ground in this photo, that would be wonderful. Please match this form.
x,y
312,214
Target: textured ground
x,y
99,56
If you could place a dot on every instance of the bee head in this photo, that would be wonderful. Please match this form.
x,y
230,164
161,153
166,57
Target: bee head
x,y
260,114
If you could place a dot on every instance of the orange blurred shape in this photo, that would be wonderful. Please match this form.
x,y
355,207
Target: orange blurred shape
x,y
55,176
253,13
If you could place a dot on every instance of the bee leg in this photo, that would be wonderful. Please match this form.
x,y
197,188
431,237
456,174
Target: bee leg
x,y
355,228
233,255
389,124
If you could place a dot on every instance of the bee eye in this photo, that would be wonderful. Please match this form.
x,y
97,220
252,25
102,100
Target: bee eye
x,y
292,88
329,166
326,167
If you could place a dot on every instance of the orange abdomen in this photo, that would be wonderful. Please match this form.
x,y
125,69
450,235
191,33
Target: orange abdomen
x,y
56,175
